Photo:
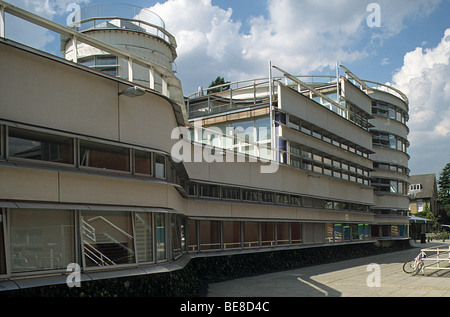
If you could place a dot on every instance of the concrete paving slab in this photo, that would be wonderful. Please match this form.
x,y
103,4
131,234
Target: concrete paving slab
x,y
352,278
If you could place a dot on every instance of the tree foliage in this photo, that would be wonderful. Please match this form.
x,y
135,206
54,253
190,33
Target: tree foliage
x,y
217,82
444,186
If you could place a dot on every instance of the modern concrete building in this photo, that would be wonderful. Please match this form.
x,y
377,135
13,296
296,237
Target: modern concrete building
x,y
91,148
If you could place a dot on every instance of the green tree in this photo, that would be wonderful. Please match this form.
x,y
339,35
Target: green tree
x,y
219,81
444,187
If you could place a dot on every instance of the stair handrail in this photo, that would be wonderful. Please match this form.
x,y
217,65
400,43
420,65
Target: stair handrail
x,y
97,254
129,236
88,230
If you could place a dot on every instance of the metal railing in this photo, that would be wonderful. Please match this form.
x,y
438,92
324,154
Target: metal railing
x,y
120,16
436,258
171,85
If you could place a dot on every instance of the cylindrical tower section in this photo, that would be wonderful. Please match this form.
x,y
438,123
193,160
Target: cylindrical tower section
x,y
390,177
136,30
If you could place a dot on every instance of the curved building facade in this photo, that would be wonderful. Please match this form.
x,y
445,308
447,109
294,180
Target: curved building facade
x,y
121,176
391,175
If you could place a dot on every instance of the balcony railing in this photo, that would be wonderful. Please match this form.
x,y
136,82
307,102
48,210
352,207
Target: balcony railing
x,y
119,16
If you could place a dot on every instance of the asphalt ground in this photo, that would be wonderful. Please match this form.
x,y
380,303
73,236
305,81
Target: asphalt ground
x,y
374,276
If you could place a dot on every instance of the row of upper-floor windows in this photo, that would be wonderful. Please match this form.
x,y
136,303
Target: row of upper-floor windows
x,y
390,186
104,63
321,134
242,194
312,160
391,167
389,140
387,110
352,113
26,145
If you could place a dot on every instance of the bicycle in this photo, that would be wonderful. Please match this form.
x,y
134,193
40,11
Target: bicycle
x,y
415,266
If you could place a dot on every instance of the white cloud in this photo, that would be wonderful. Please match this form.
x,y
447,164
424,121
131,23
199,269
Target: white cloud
x,y
425,79
29,34
302,36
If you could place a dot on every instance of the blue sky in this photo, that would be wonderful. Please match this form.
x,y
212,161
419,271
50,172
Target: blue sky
x,y
237,38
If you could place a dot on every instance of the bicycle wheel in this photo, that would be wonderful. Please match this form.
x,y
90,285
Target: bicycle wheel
x,y
418,268
408,267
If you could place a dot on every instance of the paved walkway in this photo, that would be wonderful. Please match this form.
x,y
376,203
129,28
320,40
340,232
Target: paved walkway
x,y
343,279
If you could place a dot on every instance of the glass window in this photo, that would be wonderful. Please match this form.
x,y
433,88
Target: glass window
x,y
329,232
294,123
104,156
296,200
306,154
160,166
267,197
209,235
346,232
250,195
306,166
160,224
106,60
283,233
143,162
251,234
263,129
305,128
107,238
231,234
192,189
296,233
41,239
39,146
232,193
176,230
307,202
2,247
192,235
393,187
143,226
89,61
282,199
206,190
337,232
267,234
419,205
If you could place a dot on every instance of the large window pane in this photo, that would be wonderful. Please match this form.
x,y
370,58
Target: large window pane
x,y
231,234
143,162
104,156
175,227
160,166
39,146
338,232
283,233
251,234
107,238
2,247
296,233
329,232
192,235
41,239
160,220
209,235
143,226
267,234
